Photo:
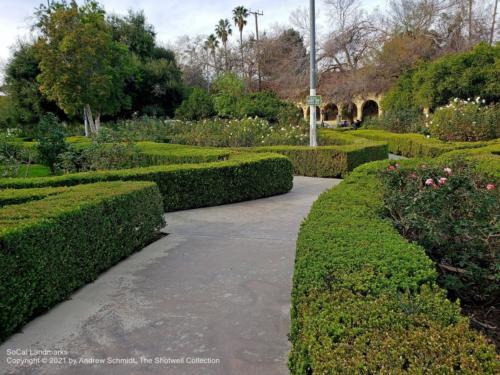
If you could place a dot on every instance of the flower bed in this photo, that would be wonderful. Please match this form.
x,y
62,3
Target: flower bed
x,y
60,239
365,300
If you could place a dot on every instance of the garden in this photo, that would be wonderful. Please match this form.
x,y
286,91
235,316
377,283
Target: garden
x,y
397,268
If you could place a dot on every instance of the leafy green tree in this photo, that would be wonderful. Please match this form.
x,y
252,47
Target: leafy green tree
x,y
133,31
228,90
199,105
82,67
240,15
27,103
223,31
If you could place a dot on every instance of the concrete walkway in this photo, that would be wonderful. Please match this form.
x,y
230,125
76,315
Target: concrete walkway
x,y
216,290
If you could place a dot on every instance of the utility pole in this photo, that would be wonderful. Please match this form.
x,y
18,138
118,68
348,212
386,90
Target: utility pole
x,y
257,46
312,109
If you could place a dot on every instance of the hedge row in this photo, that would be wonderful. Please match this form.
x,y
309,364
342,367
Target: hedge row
x,y
488,157
184,186
414,145
338,155
365,301
152,153
51,246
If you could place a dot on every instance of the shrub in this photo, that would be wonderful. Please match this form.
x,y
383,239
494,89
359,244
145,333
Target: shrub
x,y
464,75
262,104
328,161
197,106
89,229
452,212
414,145
228,90
364,299
408,120
463,120
247,132
50,140
183,186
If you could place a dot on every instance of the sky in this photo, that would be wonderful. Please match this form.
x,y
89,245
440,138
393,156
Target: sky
x,y
171,18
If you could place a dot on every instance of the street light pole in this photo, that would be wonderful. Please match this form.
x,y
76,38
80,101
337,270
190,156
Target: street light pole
x,y
312,109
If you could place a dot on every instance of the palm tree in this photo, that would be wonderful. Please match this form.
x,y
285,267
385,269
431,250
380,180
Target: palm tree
x,y
223,30
240,15
211,44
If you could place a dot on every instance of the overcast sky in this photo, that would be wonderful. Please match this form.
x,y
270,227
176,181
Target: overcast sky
x,y
171,18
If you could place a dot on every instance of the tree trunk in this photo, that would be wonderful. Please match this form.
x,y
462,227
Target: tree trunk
x,y
241,50
90,119
97,122
86,122
470,21
225,56
492,33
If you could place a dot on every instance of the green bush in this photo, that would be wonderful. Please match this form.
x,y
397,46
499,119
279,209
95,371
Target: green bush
x,y
264,104
228,89
197,106
452,211
364,299
414,145
464,75
463,120
183,186
89,229
247,132
328,161
407,120
50,140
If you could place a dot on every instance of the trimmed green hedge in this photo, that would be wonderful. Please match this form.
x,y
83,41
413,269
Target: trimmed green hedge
x,y
163,153
414,145
183,186
365,301
338,155
487,157
51,246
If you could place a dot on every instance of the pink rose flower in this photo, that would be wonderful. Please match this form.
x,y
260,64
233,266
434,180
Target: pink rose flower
x,y
442,180
490,187
429,182
391,168
447,171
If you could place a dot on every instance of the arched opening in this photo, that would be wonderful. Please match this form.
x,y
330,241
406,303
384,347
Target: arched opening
x,y
330,112
370,109
349,112
318,113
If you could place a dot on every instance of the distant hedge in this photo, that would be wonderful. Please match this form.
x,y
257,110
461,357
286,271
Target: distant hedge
x,y
414,145
338,154
365,301
55,244
152,153
184,186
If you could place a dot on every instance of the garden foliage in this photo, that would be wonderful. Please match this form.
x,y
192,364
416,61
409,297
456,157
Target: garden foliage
x,y
54,241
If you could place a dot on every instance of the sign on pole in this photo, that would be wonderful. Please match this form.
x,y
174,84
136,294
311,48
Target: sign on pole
x,y
314,100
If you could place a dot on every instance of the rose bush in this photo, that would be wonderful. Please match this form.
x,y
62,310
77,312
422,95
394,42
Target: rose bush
x,y
466,120
453,212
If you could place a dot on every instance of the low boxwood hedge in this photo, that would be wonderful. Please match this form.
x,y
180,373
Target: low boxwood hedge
x,y
152,153
365,301
183,186
338,154
414,145
53,245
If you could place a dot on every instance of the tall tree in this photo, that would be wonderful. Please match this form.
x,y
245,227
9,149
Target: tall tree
x,y
223,30
211,45
81,65
240,15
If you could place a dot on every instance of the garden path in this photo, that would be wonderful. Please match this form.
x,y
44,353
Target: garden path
x,y
216,288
